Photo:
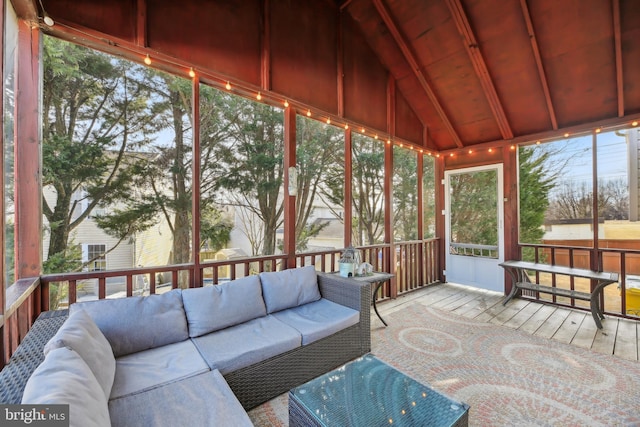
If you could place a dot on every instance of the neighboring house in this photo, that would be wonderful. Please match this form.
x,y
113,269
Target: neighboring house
x,y
148,248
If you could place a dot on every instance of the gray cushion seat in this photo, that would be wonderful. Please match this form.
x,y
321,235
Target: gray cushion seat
x,y
318,319
247,343
179,404
155,367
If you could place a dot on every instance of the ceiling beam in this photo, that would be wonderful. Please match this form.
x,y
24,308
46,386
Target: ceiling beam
x,y
479,65
141,23
618,48
413,63
26,9
538,58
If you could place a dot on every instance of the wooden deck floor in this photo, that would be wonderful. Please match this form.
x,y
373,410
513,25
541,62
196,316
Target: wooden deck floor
x,y
619,337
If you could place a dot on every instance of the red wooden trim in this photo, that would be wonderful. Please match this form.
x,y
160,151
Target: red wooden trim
x,y
289,200
3,275
28,189
129,286
25,9
413,63
595,262
265,51
510,188
348,190
618,47
388,217
141,23
195,184
538,58
420,208
391,105
440,226
340,62
473,49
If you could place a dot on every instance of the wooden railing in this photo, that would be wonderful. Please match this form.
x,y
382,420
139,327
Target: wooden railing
x,y
416,265
623,301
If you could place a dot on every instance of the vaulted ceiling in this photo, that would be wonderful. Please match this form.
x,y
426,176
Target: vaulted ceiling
x,y
468,73
481,71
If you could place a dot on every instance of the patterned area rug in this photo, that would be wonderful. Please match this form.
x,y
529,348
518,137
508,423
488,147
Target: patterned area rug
x,y
509,378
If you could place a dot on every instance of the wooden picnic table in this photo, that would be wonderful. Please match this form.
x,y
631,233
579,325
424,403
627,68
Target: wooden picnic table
x,y
518,272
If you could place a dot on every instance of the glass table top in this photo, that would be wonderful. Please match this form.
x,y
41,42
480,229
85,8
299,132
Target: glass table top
x,y
368,392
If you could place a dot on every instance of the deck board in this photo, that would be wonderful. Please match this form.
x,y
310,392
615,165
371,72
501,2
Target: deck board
x,y
619,337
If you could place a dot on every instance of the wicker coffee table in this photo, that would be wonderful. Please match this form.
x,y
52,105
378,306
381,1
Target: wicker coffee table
x,y
368,392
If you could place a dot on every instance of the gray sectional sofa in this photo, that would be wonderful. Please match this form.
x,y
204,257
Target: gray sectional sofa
x,y
200,356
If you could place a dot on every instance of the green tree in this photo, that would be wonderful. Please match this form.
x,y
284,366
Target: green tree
x,y
318,154
405,196
368,190
95,114
252,162
536,180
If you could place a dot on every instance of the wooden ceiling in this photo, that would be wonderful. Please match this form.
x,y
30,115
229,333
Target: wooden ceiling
x,y
481,71
467,73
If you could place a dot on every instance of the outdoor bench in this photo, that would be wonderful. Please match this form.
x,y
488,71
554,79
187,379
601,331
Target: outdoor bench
x,y
518,272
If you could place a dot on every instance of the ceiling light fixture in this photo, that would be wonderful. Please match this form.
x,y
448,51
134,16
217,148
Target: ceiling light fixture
x,y
45,16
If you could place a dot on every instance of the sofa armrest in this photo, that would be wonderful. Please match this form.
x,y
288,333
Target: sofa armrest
x,y
350,293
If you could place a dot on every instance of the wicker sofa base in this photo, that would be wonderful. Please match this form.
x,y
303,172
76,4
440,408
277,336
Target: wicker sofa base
x,y
263,381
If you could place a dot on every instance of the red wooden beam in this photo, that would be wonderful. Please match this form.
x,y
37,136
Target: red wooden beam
x,y
265,48
289,201
340,61
415,67
195,183
538,58
618,47
391,105
348,191
473,49
28,188
141,23
25,9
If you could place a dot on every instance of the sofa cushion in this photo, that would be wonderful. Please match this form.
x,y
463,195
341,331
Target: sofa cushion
x,y
289,288
80,333
318,319
216,307
64,378
152,368
242,345
138,323
202,400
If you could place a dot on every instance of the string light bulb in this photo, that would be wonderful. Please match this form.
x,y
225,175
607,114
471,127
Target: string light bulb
x,y
388,141
566,135
634,123
491,150
147,60
598,130
308,113
346,126
258,96
228,86
286,103
362,130
376,137
192,73
328,121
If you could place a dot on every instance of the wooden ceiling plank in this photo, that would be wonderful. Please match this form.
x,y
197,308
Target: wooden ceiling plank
x,y
265,47
538,58
479,65
411,59
141,21
618,50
